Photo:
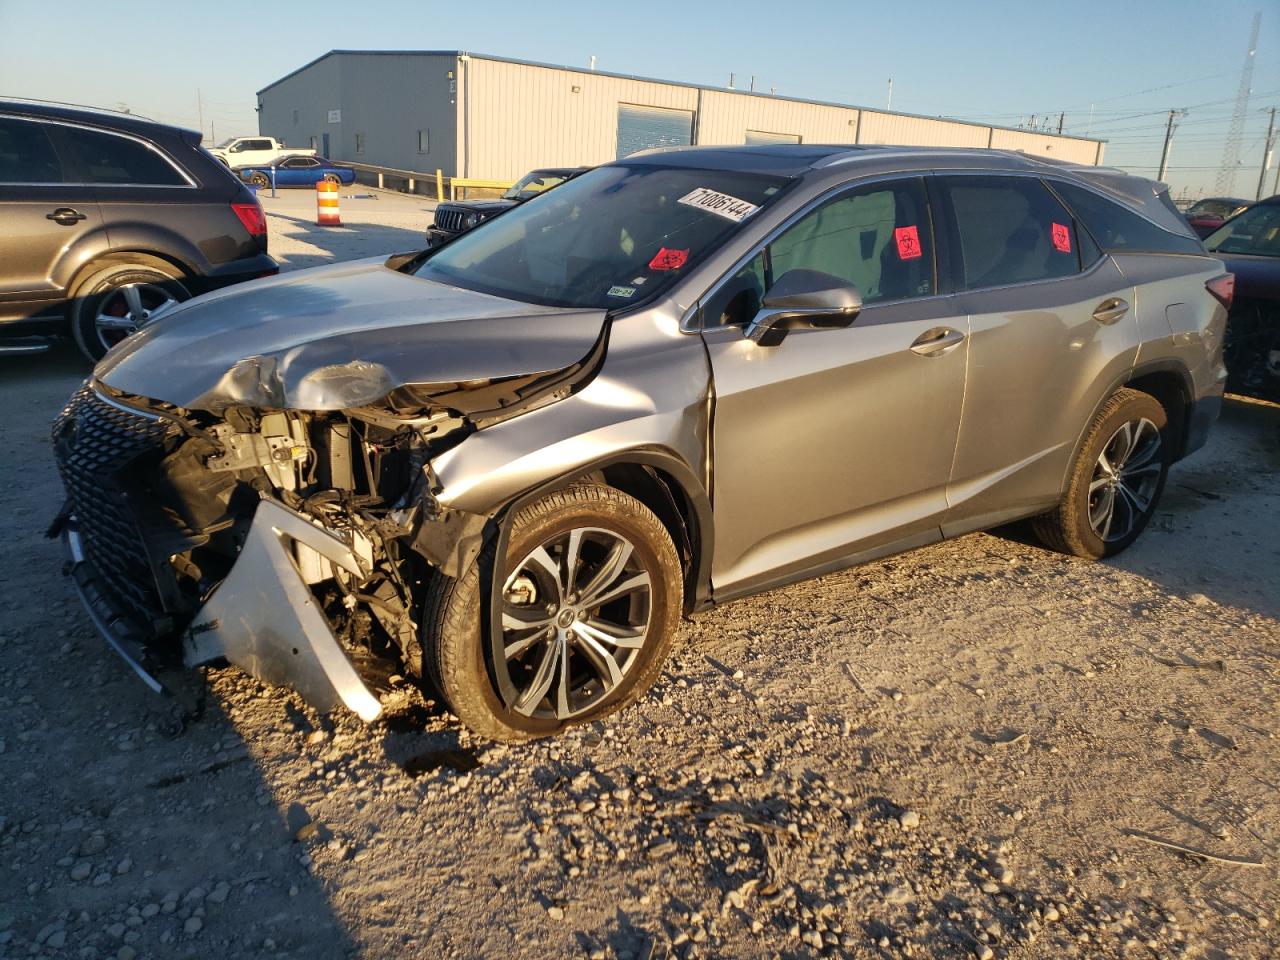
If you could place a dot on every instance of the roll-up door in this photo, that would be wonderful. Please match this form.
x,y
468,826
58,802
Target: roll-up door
x,y
640,128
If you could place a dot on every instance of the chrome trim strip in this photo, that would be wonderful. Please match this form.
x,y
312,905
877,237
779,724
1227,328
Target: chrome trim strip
x,y
124,407
72,539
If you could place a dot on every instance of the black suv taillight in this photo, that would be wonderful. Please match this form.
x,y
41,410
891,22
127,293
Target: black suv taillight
x,y
1223,288
254,220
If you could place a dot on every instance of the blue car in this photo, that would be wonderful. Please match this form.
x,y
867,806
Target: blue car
x,y
297,172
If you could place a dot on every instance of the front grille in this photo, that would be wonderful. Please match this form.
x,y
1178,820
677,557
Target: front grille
x,y
449,219
94,439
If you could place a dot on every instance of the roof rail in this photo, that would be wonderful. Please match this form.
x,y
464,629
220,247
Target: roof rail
x,y
80,106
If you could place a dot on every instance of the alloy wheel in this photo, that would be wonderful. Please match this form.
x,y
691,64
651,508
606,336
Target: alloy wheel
x,y
575,617
1125,480
123,310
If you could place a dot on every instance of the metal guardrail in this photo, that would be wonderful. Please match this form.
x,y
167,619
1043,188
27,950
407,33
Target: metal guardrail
x,y
444,186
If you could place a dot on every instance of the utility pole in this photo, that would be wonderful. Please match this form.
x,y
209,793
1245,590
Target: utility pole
x,y
200,111
1266,154
889,105
1061,117
1168,142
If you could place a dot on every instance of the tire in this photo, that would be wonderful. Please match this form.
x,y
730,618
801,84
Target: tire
x,y
1131,430
506,702
333,178
259,180
104,311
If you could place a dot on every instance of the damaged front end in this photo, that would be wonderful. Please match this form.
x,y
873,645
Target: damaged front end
x,y
292,544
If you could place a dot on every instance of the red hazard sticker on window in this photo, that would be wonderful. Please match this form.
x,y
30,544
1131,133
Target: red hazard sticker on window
x,y
666,259
908,241
1061,238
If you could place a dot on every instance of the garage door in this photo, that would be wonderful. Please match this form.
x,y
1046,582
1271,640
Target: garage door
x,y
640,128
757,137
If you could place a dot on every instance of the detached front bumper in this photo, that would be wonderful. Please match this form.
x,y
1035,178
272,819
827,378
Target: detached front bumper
x,y
262,617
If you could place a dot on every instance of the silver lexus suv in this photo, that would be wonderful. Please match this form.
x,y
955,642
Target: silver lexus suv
x,y
506,467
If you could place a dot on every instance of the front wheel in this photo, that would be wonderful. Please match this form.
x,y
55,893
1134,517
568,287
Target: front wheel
x,y
332,178
1115,482
592,591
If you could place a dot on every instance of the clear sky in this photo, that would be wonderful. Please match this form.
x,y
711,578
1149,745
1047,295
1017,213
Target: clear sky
x,y
998,62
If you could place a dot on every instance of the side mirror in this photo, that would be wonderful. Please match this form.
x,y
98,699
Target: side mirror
x,y
805,295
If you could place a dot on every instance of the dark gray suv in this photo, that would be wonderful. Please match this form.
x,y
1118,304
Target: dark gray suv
x,y
510,464
111,220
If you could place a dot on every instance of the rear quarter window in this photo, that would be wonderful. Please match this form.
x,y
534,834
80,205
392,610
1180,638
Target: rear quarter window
x,y
1118,229
111,159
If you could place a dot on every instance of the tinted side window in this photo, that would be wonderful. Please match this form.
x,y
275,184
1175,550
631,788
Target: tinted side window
x,y
1118,229
107,158
26,153
878,238
1012,230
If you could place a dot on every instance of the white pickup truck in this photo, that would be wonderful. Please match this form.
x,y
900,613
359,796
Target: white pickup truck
x,y
254,151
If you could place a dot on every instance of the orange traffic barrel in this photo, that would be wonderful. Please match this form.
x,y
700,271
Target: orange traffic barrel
x,y
327,204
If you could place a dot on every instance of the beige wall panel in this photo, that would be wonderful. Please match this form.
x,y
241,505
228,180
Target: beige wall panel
x,y
896,129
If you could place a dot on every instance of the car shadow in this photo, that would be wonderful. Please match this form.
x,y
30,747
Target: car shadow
x,y
167,839
352,241
1199,545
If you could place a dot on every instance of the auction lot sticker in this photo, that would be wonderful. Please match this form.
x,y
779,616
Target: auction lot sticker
x,y
721,204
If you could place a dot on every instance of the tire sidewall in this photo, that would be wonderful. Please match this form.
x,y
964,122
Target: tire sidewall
x,y
90,293
1136,407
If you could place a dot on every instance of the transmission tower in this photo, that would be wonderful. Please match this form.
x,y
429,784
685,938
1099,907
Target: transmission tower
x,y
1224,186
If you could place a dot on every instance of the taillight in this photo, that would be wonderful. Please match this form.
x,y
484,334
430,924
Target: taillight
x,y
252,217
1223,288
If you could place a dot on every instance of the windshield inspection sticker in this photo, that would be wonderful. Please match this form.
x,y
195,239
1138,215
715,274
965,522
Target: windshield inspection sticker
x,y
621,291
666,259
908,241
1061,238
721,204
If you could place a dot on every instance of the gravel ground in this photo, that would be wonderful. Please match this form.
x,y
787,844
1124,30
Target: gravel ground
x,y
960,752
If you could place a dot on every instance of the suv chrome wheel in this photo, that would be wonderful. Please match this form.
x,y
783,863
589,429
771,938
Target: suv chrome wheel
x,y
125,309
1125,480
575,616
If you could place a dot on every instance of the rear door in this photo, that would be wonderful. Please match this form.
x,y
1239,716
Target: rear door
x,y
1050,318
835,441
45,213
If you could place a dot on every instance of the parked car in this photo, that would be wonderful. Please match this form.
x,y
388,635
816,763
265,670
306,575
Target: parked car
x,y
111,220
1249,244
509,465
296,172
458,216
1207,215
255,151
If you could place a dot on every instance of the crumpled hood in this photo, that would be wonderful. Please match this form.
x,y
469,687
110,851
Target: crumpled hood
x,y
340,336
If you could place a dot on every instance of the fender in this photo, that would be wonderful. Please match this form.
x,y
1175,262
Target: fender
x,y
1161,365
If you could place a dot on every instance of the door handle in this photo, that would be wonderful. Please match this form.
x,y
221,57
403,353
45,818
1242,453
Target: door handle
x,y
1110,310
65,216
936,341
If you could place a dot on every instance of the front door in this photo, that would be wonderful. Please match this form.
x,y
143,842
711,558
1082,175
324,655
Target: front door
x,y
835,442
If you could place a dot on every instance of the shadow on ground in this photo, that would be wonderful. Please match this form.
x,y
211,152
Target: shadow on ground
x,y
348,242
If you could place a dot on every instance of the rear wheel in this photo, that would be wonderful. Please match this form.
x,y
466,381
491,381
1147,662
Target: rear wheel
x,y
592,594
259,180
117,300
1116,481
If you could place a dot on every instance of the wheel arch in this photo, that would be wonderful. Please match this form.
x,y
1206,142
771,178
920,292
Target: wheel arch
x,y
166,263
665,484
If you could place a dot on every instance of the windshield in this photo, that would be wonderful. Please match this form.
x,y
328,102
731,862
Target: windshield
x,y
1214,208
532,184
610,238
1256,231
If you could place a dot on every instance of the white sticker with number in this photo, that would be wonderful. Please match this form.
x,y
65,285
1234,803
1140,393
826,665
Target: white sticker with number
x,y
721,204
